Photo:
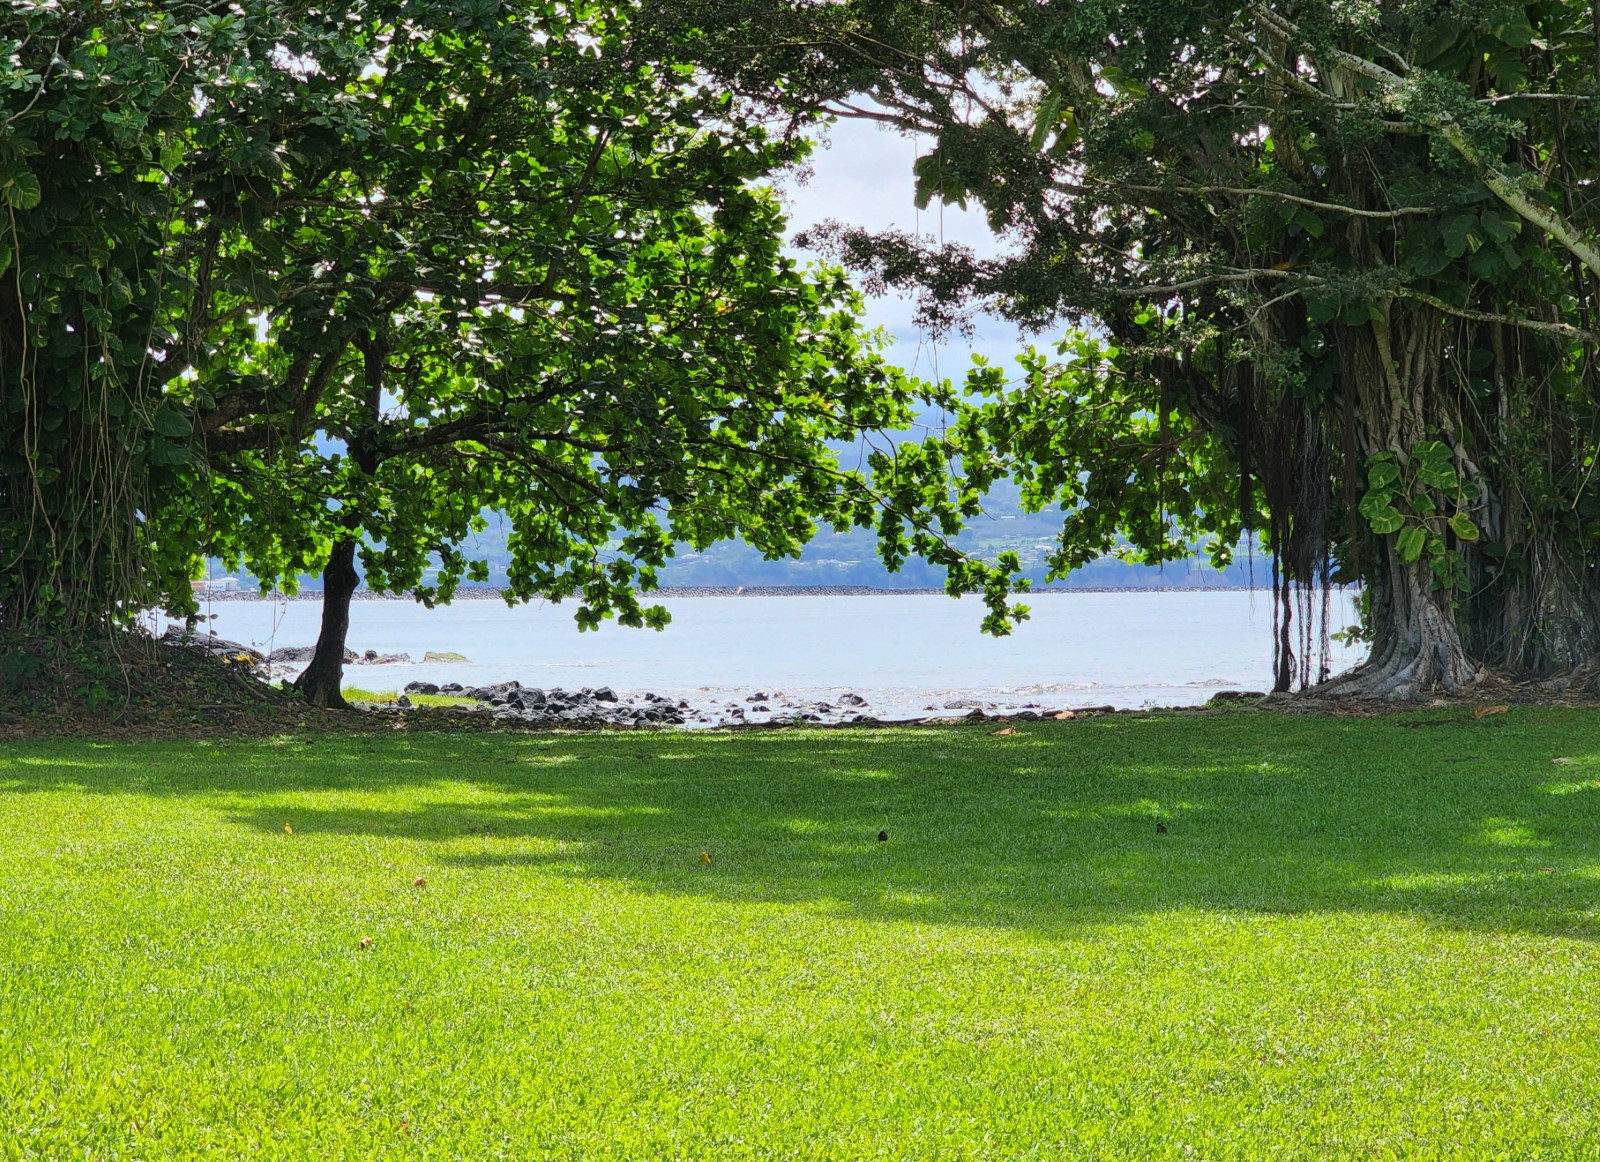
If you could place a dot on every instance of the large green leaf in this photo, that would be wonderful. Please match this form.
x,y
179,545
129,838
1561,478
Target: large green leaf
x,y
1045,120
1380,514
1410,543
172,423
20,188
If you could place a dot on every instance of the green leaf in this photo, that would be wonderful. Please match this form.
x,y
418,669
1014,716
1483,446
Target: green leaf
x,y
1438,39
1435,465
1410,543
1124,85
172,423
1322,308
1429,262
1382,474
1455,231
1380,514
1045,121
1067,134
21,189
1356,312
1513,28
1462,525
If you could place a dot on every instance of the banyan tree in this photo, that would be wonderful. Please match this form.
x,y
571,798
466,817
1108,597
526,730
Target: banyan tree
x,y
1332,271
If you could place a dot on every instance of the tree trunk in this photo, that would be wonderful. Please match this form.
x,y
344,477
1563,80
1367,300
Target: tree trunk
x,y
1392,378
1416,647
321,681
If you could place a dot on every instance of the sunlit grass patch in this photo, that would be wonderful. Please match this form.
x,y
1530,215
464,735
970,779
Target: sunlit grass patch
x,y
1352,939
355,694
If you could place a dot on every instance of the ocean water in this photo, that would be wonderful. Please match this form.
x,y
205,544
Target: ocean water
x,y
905,654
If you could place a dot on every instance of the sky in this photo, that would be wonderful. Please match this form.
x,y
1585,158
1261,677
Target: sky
x,y
864,177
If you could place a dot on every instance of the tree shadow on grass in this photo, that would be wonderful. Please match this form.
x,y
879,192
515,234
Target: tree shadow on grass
x,y
1468,826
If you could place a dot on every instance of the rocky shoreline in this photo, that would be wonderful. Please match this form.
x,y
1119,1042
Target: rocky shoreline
x,y
510,703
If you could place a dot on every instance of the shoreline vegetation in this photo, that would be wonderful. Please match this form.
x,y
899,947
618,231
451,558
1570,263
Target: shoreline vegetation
x,y
486,592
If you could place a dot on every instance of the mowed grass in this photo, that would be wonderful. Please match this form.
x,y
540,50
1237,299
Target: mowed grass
x,y
1358,939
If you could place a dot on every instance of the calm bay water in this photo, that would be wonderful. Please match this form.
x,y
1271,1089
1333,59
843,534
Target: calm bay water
x,y
903,653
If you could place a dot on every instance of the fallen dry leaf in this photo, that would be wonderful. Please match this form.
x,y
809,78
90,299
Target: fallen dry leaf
x,y
705,857
1006,732
1547,871
1064,715
366,942
1562,761
1485,711
287,830
420,882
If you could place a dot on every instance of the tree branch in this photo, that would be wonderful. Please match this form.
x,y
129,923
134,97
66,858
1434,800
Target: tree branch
x,y
1565,330
1242,191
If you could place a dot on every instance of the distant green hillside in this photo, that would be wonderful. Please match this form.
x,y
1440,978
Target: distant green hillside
x,y
851,558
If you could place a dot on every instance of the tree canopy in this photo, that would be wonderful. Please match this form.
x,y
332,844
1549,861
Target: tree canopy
x,y
1339,264
332,281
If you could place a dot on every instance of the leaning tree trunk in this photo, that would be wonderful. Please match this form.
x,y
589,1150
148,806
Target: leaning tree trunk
x,y
321,681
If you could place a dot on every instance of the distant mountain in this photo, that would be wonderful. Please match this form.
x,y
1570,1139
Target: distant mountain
x,y
851,558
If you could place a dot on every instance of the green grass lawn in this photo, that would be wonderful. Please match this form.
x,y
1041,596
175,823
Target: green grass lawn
x,y
1359,938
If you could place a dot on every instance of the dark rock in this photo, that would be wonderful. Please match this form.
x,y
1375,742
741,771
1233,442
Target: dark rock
x,y
1234,697
291,654
486,693
421,688
452,688
763,709
374,658
215,646
527,699
757,697
403,702
852,700
605,694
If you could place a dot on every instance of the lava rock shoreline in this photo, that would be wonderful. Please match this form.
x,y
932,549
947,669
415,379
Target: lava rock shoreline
x,y
512,702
